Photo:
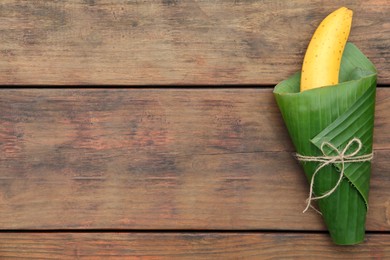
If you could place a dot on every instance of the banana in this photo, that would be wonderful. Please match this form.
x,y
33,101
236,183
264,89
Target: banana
x,y
321,64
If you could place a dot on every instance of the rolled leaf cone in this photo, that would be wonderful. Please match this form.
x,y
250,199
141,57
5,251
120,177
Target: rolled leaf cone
x,y
335,114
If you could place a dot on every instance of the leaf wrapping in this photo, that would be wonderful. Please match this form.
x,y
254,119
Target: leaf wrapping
x,y
335,114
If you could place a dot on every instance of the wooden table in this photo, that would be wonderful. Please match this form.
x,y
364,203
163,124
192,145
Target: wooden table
x,y
161,164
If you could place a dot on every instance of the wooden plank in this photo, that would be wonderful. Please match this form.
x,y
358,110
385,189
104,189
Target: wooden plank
x,y
160,159
187,246
173,42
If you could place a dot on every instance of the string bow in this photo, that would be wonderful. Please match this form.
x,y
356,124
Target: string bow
x,y
341,156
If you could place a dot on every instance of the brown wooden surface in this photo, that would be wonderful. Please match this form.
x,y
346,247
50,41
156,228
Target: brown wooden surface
x,y
173,41
168,173
259,245
161,159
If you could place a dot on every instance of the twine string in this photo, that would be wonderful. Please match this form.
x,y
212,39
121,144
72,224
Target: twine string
x,y
342,157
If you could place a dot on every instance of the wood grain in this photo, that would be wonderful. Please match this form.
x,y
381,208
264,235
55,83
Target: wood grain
x,y
160,159
187,246
173,42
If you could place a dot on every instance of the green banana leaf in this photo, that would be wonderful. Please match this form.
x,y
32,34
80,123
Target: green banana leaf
x,y
335,114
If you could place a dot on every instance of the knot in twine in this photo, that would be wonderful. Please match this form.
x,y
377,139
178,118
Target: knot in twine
x,y
341,157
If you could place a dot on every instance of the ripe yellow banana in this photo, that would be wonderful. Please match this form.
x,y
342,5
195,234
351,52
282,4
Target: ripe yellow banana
x,y
321,64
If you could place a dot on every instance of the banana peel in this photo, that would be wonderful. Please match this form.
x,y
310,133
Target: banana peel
x,y
321,64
